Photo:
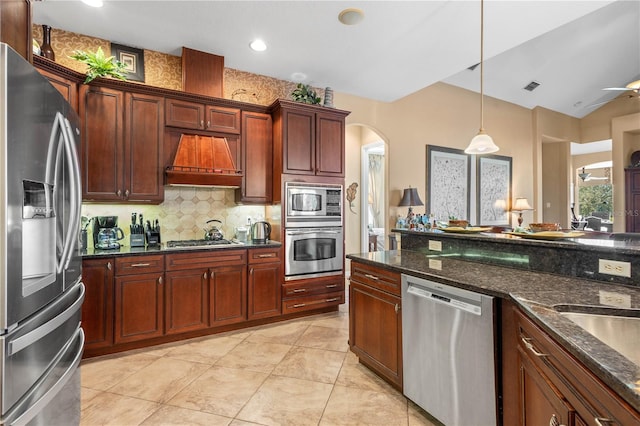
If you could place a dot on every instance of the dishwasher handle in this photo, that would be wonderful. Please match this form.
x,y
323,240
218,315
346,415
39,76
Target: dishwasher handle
x,y
445,299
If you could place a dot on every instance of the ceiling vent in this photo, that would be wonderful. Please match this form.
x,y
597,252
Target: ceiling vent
x,y
531,86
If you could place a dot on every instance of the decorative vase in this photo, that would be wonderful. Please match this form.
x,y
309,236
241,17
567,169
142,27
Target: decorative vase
x,y
328,97
46,50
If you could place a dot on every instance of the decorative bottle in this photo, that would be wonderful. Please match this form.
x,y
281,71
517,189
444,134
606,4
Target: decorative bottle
x,y
45,49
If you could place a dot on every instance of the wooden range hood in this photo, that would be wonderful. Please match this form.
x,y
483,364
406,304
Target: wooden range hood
x,y
203,161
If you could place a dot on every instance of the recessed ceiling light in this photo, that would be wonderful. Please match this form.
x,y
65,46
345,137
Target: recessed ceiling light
x,y
351,16
258,45
297,77
93,3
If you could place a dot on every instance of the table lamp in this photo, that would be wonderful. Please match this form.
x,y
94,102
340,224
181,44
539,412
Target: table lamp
x,y
520,206
410,198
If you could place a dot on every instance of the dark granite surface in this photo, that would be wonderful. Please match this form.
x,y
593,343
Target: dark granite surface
x,y
536,293
91,253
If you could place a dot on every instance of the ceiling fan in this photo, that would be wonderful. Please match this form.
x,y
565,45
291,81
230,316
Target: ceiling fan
x,y
588,176
633,87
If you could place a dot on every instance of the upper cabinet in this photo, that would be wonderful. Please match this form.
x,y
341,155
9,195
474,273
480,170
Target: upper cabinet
x,y
62,78
197,116
307,140
121,145
256,159
15,26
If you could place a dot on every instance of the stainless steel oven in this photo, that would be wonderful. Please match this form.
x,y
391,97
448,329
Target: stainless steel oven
x,y
313,252
313,204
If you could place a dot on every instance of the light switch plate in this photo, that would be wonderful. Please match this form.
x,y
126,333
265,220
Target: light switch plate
x,y
614,267
435,245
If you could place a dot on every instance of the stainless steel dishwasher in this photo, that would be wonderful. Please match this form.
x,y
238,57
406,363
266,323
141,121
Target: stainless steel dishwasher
x,y
448,352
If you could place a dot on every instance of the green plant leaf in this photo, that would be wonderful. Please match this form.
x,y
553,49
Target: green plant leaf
x,y
98,65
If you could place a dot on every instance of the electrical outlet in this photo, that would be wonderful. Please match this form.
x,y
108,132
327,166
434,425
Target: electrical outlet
x,y
435,245
435,264
614,267
611,298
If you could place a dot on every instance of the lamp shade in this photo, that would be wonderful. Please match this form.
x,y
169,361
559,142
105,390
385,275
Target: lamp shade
x,y
410,198
521,204
481,144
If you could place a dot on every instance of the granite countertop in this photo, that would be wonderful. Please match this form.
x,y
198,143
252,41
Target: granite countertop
x,y
91,253
535,293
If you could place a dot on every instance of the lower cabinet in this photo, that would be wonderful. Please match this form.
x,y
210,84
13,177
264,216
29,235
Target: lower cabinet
x,y
139,298
312,293
97,309
555,388
375,320
228,293
264,283
187,294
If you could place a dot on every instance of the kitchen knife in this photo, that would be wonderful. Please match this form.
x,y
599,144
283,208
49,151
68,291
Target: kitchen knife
x,y
141,229
133,223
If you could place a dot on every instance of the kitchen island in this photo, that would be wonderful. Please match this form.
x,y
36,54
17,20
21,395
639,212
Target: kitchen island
x,y
537,296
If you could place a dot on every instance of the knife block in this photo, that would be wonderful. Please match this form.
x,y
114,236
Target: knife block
x,y
137,240
153,238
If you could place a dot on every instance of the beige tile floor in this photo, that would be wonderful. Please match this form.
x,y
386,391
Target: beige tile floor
x,y
298,372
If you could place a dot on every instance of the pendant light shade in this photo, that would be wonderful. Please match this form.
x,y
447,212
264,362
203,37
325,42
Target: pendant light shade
x,y
482,142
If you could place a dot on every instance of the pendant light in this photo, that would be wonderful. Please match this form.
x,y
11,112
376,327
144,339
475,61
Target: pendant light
x,y
482,142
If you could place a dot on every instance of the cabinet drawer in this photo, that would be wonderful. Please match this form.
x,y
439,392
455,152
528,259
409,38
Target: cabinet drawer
x,y
139,264
308,287
312,302
381,279
264,255
178,261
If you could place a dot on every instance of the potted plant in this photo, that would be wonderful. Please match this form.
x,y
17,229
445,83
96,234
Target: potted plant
x,y
305,94
98,65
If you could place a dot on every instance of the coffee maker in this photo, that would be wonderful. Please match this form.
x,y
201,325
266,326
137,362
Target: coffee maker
x,y
106,233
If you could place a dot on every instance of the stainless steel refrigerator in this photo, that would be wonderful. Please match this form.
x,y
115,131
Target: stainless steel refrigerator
x,y
41,292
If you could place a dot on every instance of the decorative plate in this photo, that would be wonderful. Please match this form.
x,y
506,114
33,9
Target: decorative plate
x,y
547,235
468,230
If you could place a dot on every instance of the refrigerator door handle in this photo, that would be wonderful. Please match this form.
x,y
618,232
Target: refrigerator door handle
x,y
53,391
29,338
75,193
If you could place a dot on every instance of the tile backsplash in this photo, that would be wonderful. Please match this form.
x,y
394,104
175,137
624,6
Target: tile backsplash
x,y
185,211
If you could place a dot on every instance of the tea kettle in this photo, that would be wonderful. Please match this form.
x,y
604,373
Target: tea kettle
x,y
260,232
213,233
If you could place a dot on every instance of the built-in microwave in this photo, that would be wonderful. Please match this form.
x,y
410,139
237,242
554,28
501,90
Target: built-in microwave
x,y
311,205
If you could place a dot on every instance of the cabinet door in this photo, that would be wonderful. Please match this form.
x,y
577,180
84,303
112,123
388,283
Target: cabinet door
x,y
265,298
139,307
375,330
15,26
257,159
67,88
187,300
298,142
329,145
540,402
632,202
187,115
97,309
101,113
143,144
221,119
227,294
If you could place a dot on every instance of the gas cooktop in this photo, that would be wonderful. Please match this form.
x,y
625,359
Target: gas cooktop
x,y
195,243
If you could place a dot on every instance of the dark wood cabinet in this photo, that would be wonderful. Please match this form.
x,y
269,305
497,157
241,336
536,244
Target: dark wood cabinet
x,y
228,292
122,145
186,300
139,298
375,320
97,309
67,87
15,26
264,294
632,199
552,383
197,116
257,159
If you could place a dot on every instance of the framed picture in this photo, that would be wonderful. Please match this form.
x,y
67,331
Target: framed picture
x,y
493,189
132,58
448,183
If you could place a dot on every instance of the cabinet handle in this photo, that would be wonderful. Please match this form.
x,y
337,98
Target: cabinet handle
x,y
529,346
202,123
333,299
396,308
139,265
205,276
159,280
373,277
126,193
299,305
299,290
599,421
119,193
332,285
208,124
267,255
109,265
